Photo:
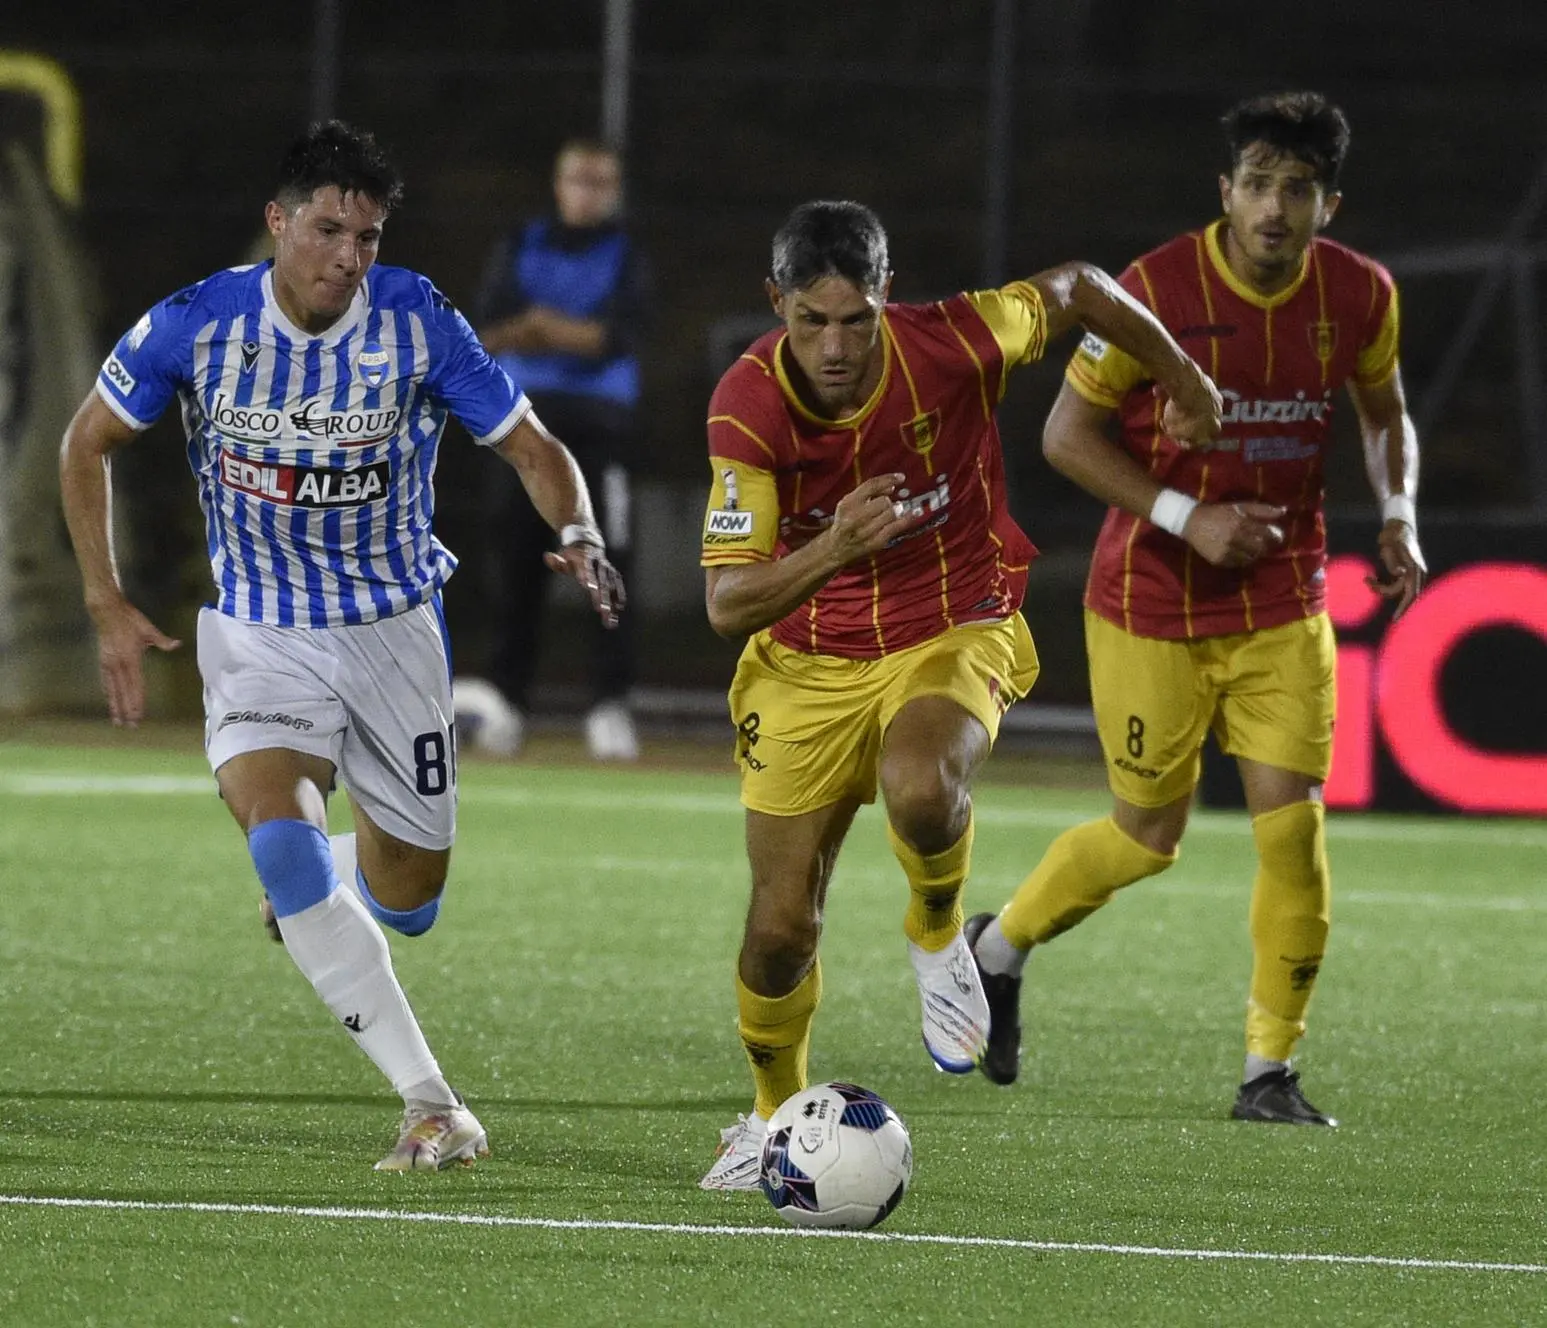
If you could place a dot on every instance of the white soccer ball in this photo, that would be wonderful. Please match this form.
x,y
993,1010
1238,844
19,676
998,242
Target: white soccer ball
x,y
484,718
836,1155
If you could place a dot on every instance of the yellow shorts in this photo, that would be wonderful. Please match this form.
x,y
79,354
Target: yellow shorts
x,y
809,727
1269,696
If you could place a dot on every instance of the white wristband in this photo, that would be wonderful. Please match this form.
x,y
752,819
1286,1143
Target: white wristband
x,y
1171,510
578,534
1399,507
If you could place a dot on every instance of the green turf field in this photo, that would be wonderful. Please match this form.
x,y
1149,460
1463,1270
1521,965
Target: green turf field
x,y
165,1065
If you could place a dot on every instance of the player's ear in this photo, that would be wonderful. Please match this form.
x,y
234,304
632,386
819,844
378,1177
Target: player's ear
x,y
1329,207
775,297
274,217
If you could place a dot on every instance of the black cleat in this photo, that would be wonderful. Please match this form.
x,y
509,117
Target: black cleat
x,y
270,922
1001,1060
1273,1097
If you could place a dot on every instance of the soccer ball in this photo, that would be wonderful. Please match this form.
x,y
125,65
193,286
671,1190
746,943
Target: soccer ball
x,y
484,718
836,1156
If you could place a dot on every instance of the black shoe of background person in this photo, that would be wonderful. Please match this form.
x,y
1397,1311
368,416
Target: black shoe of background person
x,y
1002,1057
1276,1097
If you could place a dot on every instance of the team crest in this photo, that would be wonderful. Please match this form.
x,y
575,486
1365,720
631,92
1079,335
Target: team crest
x,y
1324,339
372,365
921,432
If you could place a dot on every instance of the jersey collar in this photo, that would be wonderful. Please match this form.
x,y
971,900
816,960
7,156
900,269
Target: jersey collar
x,y
350,320
1215,246
849,421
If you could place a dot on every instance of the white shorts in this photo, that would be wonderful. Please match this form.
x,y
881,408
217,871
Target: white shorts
x,y
375,700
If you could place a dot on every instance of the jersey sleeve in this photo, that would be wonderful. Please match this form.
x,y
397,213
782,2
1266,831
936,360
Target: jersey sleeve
x,y
1098,370
150,362
466,380
1378,356
1017,317
742,521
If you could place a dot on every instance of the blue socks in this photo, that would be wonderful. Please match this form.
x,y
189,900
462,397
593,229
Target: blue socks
x,y
408,921
294,863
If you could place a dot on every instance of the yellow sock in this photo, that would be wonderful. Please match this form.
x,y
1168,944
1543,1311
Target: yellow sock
x,y
1291,907
775,1033
1081,870
934,914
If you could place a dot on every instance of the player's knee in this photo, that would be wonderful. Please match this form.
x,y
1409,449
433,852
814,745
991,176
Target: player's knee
x,y
414,907
778,949
928,806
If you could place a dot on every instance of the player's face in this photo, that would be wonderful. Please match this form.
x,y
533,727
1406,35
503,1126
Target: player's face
x,y
834,332
1275,206
322,251
587,186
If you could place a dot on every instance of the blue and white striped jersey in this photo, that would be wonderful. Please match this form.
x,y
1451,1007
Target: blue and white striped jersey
x,y
314,454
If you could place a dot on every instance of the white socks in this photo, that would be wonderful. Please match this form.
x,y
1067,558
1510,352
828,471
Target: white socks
x,y
341,951
996,955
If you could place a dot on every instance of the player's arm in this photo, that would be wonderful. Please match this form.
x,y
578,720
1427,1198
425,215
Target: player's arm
x,y
557,489
1077,443
742,598
1391,461
123,632
1079,293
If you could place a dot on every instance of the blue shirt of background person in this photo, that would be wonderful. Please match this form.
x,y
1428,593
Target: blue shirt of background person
x,y
562,296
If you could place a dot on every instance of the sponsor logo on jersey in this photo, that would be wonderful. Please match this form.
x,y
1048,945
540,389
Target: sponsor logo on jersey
x,y
1092,346
138,333
1206,330
372,365
1257,450
1239,410
728,524
311,423
118,376
305,486
250,351
732,490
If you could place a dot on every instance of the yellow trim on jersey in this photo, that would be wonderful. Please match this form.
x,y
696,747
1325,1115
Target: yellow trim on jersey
x,y
741,523
1378,361
1103,377
746,429
1017,316
848,421
1222,266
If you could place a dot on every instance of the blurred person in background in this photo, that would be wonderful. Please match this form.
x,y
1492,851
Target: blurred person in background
x,y
561,307
859,534
1206,602
314,390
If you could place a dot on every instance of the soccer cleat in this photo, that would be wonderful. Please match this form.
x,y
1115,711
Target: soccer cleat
x,y
434,1137
270,922
739,1163
955,1010
610,734
1276,1097
1001,1060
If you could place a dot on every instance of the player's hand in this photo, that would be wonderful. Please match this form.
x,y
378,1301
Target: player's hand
x,y
1402,566
598,578
1192,418
867,519
1234,534
124,634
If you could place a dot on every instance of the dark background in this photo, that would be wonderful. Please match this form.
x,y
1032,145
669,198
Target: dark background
x,y
737,112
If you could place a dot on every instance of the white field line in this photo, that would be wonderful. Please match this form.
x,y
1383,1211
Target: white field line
x,y
694,1229
1052,813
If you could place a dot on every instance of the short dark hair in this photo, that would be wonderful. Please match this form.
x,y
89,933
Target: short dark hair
x,y
830,239
331,152
1303,124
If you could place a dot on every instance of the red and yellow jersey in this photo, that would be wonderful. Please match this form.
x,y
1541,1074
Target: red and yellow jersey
x,y
780,471
1278,360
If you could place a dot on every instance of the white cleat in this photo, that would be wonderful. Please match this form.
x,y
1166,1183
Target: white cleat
x,y
434,1137
610,734
739,1163
954,1007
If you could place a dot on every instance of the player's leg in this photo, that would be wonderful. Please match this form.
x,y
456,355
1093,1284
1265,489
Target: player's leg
x,y
1277,721
806,742
940,716
1152,707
